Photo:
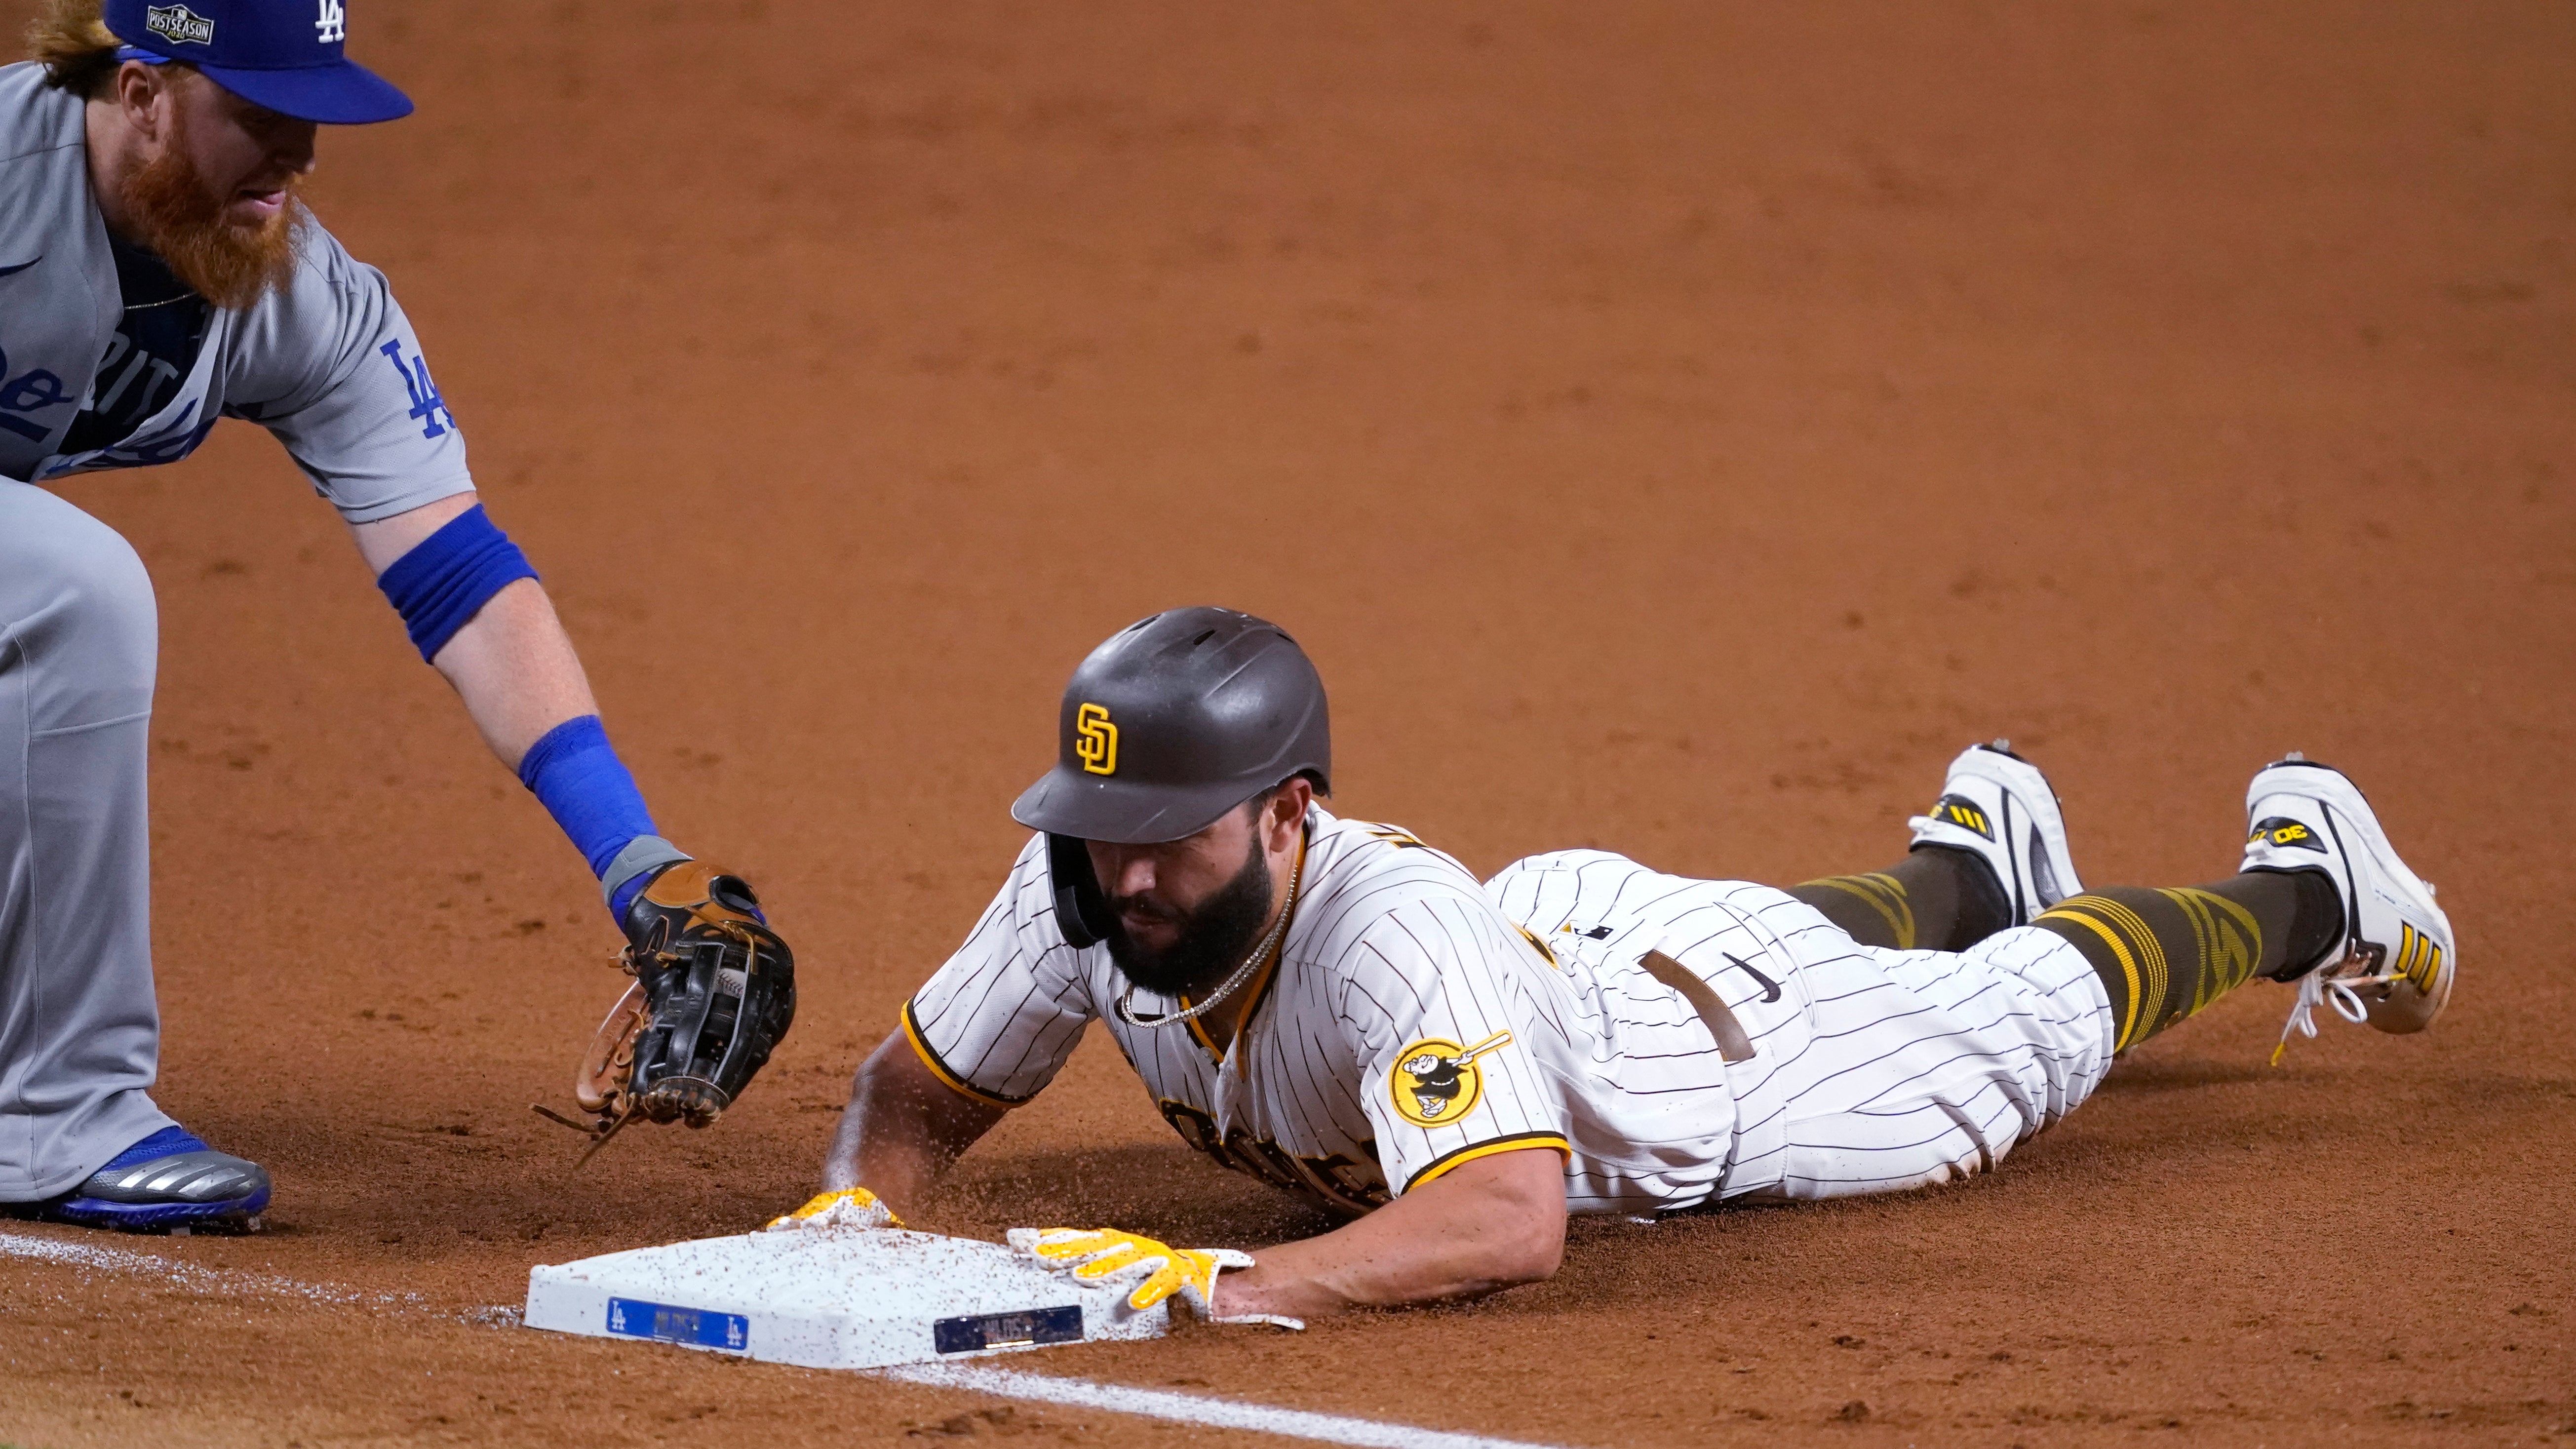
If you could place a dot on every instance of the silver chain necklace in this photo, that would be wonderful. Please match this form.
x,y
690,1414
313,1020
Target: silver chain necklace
x,y
1270,939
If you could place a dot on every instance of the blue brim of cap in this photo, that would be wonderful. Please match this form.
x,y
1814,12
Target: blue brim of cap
x,y
341,94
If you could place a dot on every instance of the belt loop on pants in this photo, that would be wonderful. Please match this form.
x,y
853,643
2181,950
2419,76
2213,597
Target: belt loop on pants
x,y
1732,1044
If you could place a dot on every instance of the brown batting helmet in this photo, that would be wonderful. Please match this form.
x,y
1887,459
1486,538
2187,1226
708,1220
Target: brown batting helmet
x,y
1177,719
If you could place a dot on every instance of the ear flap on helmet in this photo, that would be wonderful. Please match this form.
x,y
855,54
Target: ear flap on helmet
x,y
1081,911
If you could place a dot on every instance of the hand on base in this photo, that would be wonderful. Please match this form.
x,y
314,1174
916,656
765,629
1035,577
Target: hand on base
x,y
1157,1271
851,1207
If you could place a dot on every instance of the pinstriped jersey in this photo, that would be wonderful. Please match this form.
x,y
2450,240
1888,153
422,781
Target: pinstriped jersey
x,y
1406,1025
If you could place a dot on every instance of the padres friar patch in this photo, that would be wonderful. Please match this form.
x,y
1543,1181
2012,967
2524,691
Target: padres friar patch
x,y
1436,1081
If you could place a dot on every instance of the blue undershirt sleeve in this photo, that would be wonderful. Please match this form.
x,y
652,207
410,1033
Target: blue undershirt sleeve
x,y
447,578
576,774
438,587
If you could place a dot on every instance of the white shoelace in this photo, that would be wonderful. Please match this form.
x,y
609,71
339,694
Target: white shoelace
x,y
2319,988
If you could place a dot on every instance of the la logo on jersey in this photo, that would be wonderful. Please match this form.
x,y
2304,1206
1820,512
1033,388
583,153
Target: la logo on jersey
x,y
427,406
1436,1081
334,25
1095,740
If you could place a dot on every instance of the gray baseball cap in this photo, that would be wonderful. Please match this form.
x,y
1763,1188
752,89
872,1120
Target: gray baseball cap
x,y
1178,718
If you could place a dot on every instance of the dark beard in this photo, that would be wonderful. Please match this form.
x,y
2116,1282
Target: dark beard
x,y
182,223
1214,937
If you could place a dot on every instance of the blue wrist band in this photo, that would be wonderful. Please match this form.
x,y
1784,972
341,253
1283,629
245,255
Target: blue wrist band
x,y
588,790
633,869
449,576
624,896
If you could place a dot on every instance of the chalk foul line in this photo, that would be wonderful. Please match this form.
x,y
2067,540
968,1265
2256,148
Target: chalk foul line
x,y
1189,1408
973,1378
189,1275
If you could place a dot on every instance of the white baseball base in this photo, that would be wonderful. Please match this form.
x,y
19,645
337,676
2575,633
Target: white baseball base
x,y
845,1299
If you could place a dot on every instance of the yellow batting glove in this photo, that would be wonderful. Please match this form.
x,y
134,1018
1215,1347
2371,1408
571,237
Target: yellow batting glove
x,y
1158,1270
1161,1271
851,1207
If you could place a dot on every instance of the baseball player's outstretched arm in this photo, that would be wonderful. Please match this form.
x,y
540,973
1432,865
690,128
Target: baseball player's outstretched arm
x,y
474,609
472,605
1491,1224
512,663
902,1128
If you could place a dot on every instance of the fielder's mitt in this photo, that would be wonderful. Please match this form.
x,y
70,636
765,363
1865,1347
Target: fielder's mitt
x,y
714,991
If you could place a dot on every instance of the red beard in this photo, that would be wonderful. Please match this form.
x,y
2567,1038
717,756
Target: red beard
x,y
182,221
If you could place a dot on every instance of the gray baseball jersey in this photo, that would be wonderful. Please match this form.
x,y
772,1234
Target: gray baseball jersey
x,y
106,363
329,364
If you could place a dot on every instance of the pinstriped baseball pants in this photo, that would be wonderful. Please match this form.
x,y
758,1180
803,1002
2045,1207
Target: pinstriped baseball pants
x,y
1939,1062
80,1032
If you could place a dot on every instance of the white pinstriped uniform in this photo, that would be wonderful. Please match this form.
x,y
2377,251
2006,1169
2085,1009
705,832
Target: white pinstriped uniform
x,y
1872,1069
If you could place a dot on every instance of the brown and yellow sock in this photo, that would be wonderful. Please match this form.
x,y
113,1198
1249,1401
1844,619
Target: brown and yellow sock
x,y
2165,954
1936,899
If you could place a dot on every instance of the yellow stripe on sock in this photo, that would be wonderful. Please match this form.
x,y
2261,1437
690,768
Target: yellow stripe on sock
x,y
2076,910
2153,970
1885,895
2232,946
2197,917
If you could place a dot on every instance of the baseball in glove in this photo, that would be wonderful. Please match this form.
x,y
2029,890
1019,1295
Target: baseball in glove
x,y
714,991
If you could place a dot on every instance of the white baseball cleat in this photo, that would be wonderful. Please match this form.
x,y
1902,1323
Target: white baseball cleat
x,y
2394,966
1998,805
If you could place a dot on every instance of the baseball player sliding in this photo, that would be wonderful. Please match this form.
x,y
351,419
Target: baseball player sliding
x,y
1343,1011
158,272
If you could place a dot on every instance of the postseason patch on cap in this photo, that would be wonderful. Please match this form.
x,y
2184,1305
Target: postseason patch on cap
x,y
287,55
179,25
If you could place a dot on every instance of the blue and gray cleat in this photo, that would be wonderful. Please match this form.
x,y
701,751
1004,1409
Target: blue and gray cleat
x,y
170,1182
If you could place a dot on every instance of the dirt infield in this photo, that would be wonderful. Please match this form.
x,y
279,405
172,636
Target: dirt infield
x,y
1671,429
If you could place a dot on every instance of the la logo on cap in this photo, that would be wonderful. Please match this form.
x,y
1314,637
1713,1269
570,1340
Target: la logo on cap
x,y
180,25
274,53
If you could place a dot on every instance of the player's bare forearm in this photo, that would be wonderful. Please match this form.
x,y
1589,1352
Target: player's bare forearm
x,y
512,664
1491,1224
516,671
902,1129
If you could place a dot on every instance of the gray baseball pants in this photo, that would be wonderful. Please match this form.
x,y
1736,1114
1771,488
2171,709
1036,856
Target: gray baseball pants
x,y
80,1033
